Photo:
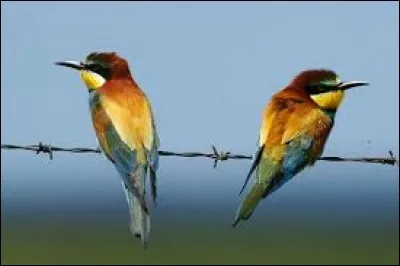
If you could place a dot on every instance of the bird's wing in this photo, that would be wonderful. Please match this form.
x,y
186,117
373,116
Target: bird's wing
x,y
152,155
288,130
124,127
268,117
255,162
288,135
297,131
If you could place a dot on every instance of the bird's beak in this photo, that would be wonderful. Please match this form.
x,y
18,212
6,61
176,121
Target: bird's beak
x,y
351,84
72,64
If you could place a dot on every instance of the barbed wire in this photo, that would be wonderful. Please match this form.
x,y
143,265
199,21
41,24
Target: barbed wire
x,y
215,155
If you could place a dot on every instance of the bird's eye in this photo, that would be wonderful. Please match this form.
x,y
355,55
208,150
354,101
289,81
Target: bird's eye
x,y
99,69
315,89
95,67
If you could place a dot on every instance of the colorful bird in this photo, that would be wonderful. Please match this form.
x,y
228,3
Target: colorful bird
x,y
124,124
295,126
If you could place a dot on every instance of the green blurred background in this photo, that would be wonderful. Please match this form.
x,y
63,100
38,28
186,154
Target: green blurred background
x,y
202,240
315,220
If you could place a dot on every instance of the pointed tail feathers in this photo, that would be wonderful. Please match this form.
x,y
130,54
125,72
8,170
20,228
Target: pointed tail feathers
x,y
139,218
250,202
139,215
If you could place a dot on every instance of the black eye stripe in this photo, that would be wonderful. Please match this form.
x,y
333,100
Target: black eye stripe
x,y
95,67
99,69
320,88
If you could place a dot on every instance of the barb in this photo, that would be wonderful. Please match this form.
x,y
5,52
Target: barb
x,y
215,155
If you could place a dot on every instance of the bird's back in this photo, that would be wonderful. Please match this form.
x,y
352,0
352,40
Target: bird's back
x,y
292,135
289,118
127,109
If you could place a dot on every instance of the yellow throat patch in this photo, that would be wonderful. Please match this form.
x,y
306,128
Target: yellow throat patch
x,y
91,79
328,100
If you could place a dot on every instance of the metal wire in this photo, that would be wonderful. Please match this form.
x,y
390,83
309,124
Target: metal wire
x,y
215,155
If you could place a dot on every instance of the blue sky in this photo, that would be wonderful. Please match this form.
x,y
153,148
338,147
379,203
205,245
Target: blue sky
x,y
208,69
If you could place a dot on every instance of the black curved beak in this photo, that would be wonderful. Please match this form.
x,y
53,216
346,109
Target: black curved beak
x,y
72,64
351,84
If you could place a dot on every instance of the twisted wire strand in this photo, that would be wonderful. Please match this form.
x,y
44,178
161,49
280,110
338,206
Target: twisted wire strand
x,y
215,155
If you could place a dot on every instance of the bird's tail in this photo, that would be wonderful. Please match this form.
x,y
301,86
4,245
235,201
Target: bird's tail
x,y
250,202
139,217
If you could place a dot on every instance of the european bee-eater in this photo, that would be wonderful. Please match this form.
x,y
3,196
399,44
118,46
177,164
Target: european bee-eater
x,y
295,126
125,128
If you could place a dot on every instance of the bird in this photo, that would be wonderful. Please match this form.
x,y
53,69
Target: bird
x,y
125,128
296,123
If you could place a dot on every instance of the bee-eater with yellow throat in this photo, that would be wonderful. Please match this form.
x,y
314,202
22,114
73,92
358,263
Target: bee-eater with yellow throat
x,y
124,124
295,126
